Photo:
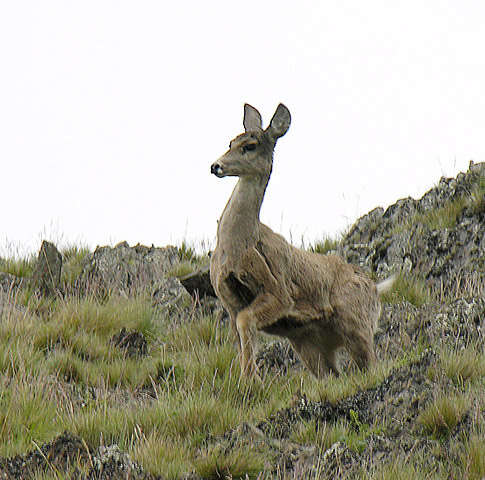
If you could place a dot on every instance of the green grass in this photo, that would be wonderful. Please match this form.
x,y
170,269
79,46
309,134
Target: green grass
x,y
189,260
73,261
191,375
171,408
440,417
403,470
325,245
476,201
464,365
473,457
352,434
243,463
410,288
20,267
27,412
442,217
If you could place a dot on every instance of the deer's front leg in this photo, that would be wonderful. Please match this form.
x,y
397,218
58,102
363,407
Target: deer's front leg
x,y
263,311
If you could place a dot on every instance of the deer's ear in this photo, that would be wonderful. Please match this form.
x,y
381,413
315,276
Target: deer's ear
x,y
252,118
279,123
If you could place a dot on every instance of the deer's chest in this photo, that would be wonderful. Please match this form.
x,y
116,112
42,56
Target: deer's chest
x,y
234,285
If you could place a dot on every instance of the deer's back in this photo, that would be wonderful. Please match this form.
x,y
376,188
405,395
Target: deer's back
x,y
306,275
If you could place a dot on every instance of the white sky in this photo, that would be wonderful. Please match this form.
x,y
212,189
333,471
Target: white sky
x,y
111,112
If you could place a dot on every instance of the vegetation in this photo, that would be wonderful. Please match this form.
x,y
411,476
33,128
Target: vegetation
x,y
324,246
448,213
473,457
20,267
443,414
410,288
464,365
64,372
189,260
181,405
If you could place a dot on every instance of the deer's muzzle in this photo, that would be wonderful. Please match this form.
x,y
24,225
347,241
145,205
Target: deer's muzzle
x,y
216,169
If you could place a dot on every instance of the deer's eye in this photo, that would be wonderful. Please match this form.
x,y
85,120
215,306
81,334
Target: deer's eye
x,y
248,147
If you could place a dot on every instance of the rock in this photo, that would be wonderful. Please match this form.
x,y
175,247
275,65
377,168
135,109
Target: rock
x,y
66,454
198,284
127,270
451,258
110,463
168,293
47,274
9,282
134,343
63,453
277,356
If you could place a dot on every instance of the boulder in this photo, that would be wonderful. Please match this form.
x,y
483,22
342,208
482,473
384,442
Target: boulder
x,y
47,274
198,284
169,293
127,270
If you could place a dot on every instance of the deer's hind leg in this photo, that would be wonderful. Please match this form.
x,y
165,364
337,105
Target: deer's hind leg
x,y
262,312
319,359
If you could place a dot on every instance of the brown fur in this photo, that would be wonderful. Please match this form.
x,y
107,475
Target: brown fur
x,y
319,302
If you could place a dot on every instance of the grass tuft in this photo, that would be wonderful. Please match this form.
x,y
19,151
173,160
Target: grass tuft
x,y
410,288
216,464
324,246
20,267
440,417
476,201
473,458
464,365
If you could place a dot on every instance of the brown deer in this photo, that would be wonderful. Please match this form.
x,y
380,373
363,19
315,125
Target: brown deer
x,y
319,302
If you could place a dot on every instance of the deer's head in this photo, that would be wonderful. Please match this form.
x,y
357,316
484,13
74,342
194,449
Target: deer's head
x,y
251,153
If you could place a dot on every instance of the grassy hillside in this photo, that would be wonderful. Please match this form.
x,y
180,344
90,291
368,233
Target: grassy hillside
x,y
179,405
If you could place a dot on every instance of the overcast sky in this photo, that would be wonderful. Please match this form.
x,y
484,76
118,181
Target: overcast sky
x,y
111,112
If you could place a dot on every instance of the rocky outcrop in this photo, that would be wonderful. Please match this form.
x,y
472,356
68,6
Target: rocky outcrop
x,y
127,270
440,237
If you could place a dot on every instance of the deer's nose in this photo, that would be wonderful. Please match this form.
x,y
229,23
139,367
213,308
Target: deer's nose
x,y
216,169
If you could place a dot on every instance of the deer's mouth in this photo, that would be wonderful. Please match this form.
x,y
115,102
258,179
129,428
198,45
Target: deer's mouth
x,y
217,170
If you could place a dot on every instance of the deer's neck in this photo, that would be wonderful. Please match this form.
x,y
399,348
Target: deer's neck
x,y
238,227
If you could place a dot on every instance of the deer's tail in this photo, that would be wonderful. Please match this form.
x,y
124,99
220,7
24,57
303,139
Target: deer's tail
x,y
386,285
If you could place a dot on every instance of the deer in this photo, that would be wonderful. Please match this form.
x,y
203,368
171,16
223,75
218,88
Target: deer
x,y
320,303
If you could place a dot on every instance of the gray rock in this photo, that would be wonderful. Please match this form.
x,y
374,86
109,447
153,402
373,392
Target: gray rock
x,y
169,293
127,270
47,274
111,462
